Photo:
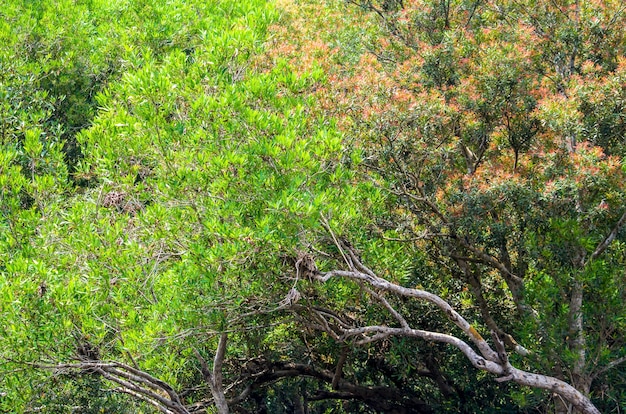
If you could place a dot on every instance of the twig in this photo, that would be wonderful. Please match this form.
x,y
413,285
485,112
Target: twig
x,y
328,229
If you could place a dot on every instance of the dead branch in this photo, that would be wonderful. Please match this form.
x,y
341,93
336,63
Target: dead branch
x,y
488,359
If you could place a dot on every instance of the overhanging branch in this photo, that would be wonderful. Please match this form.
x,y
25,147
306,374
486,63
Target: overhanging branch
x,y
129,380
493,361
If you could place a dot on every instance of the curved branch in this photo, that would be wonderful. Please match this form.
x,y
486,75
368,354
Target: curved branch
x,y
451,314
495,362
379,397
141,397
131,381
385,331
390,308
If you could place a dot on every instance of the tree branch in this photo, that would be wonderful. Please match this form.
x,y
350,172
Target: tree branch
x,y
451,314
382,398
130,381
495,362
608,367
390,308
339,369
214,378
609,238
139,396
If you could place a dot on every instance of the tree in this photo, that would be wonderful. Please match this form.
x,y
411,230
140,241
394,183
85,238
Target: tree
x,y
199,174
532,237
494,361
463,153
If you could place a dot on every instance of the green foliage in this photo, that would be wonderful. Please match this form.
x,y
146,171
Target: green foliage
x,y
164,164
497,130
199,174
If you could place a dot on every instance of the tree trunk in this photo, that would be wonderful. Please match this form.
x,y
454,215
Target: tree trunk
x,y
214,378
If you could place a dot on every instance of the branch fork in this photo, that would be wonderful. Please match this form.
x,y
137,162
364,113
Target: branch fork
x,y
487,359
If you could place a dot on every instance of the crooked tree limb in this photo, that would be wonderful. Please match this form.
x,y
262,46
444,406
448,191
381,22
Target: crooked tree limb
x,y
377,397
451,314
141,397
495,362
390,308
147,394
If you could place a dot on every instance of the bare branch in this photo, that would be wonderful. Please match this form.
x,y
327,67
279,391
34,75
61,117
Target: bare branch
x,y
128,384
609,239
339,368
390,308
321,312
451,314
495,362
609,366
219,360
131,381
504,358
141,397
384,332
155,382
332,234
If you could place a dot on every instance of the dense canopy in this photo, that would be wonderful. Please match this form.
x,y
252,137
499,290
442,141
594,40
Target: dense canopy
x,y
378,206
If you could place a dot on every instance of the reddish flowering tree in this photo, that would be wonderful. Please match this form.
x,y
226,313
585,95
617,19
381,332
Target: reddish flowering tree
x,y
497,129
